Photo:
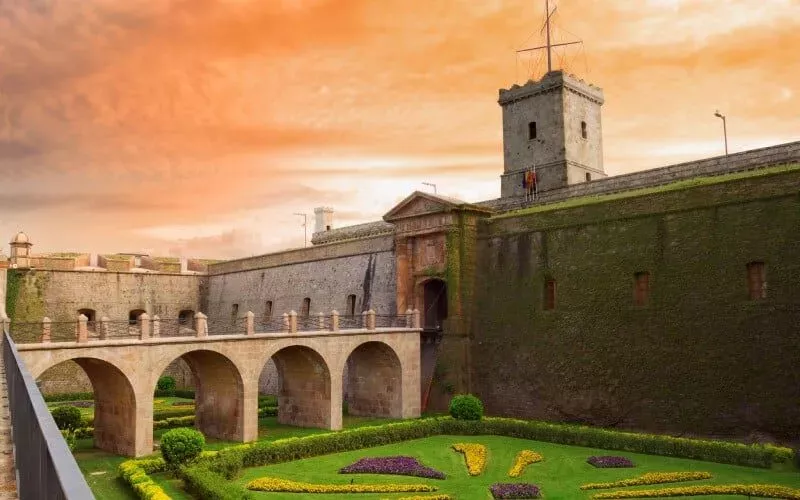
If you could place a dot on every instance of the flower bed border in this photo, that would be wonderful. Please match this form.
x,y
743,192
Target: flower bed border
x,y
277,485
650,478
394,466
497,493
474,456
610,462
755,490
521,462
285,450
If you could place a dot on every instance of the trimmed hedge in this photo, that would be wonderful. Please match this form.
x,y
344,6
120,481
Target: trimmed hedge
x,y
208,485
135,473
259,454
69,396
67,417
181,446
748,490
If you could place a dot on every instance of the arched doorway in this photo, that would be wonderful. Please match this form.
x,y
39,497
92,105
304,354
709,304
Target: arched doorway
x,y
434,298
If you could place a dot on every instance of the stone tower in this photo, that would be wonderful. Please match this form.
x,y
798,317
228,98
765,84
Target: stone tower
x,y
323,219
554,124
20,251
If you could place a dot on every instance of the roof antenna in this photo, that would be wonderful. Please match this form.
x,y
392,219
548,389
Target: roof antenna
x,y
549,46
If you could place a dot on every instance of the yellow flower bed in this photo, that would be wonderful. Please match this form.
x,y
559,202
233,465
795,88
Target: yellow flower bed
x,y
750,490
524,459
134,472
650,478
475,455
273,484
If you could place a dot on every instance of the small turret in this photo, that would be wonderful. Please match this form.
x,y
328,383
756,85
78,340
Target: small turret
x,y
20,251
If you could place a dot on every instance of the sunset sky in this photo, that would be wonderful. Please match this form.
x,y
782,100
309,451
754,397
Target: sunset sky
x,y
198,127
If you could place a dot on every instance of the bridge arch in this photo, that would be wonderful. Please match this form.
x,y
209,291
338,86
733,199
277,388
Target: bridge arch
x,y
115,407
304,387
219,392
374,382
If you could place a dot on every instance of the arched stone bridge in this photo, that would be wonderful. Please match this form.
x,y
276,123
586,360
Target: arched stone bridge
x,y
383,379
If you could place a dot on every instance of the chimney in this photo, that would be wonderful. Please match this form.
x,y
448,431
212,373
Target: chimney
x,y
323,219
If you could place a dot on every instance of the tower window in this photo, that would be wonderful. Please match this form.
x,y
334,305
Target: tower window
x,y
756,280
351,305
641,288
268,309
584,134
532,130
306,309
588,176
550,294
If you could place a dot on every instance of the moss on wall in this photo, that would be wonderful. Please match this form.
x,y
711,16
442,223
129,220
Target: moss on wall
x,y
25,295
699,357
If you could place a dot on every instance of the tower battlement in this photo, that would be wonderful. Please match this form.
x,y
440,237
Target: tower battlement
x,y
551,82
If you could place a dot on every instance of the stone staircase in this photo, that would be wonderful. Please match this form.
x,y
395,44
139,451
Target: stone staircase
x,y
8,472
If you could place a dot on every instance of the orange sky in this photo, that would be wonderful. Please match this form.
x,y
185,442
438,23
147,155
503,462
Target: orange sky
x,y
198,127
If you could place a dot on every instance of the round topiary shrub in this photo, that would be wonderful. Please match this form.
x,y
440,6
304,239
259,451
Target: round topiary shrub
x,y
466,407
166,383
181,446
67,417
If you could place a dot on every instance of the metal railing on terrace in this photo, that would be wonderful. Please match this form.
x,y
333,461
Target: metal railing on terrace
x,y
45,466
145,328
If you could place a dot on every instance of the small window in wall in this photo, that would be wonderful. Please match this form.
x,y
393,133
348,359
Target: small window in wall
x,y
588,177
234,312
641,288
756,280
327,228
185,317
550,294
351,305
91,315
268,309
133,316
306,309
584,133
532,130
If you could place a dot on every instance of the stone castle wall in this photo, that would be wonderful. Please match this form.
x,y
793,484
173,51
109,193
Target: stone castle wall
x,y
699,357
737,162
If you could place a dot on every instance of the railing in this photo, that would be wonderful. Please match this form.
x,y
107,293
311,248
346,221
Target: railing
x,y
45,466
145,327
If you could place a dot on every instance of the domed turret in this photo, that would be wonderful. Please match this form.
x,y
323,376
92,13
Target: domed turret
x,y
20,250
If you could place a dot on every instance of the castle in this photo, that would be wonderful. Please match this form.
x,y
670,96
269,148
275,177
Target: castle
x,y
664,300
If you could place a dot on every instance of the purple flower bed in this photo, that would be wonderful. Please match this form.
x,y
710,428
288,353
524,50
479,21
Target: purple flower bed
x,y
514,490
610,462
401,466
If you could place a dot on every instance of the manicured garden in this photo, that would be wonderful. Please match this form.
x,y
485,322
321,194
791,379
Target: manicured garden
x,y
460,456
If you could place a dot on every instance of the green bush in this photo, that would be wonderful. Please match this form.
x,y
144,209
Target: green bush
x,y
208,485
267,401
69,396
166,383
67,417
181,446
135,473
466,407
267,411
175,411
228,465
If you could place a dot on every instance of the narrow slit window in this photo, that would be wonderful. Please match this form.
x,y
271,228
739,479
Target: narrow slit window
x,y
268,309
550,294
756,280
532,130
351,305
588,176
641,288
306,309
234,312
584,133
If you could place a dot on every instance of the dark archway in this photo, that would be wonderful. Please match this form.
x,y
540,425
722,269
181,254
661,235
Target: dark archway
x,y
303,386
114,404
434,294
374,382
219,395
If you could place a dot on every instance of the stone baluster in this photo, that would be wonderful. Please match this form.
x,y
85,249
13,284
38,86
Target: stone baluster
x,y
334,320
251,322
292,321
321,321
363,319
105,326
409,318
286,326
370,315
156,326
201,324
46,324
144,330
417,322
83,329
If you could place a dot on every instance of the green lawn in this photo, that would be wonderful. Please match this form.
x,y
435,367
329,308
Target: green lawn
x,y
100,467
159,404
561,473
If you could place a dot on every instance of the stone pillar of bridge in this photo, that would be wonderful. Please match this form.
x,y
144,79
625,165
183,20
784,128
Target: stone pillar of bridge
x,y
409,354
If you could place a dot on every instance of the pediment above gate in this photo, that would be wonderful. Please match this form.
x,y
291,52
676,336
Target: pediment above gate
x,y
419,204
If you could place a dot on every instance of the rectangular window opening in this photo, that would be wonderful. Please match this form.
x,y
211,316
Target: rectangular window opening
x,y
757,280
532,130
641,289
550,295
234,312
268,309
584,132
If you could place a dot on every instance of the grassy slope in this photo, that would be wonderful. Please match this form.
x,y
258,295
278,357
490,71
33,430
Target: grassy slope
x,y
562,472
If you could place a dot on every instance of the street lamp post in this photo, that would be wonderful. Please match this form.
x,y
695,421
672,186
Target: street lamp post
x,y
305,228
724,129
